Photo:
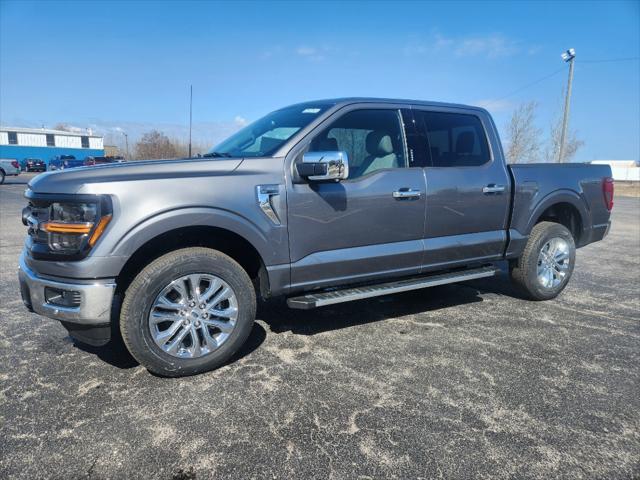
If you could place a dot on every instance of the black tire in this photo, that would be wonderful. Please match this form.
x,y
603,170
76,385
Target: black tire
x,y
524,271
146,286
2,177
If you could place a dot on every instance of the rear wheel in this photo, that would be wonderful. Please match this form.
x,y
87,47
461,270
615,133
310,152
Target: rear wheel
x,y
1,177
188,312
546,264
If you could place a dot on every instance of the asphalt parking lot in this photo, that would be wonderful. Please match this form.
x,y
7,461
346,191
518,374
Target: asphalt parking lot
x,y
459,381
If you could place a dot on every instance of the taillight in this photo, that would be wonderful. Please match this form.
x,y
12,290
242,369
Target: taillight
x,y
15,164
607,191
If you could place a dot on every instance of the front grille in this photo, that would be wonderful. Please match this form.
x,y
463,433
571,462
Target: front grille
x,y
38,213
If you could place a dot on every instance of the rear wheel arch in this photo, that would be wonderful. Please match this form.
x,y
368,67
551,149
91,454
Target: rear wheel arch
x,y
566,208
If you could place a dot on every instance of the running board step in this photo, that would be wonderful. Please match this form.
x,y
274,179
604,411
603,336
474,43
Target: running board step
x,y
320,299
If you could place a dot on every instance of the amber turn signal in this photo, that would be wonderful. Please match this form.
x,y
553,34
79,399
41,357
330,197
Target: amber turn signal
x,y
102,224
58,227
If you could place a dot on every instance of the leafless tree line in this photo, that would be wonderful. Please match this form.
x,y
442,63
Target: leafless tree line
x,y
526,142
156,145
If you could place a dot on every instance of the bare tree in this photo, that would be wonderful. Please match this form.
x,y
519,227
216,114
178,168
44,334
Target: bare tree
x,y
182,148
155,145
523,136
571,146
62,126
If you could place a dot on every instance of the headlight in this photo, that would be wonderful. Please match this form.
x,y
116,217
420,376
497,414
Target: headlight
x,y
66,227
74,212
72,226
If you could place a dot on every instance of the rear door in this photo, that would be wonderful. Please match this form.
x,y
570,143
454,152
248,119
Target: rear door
x,y
368,226
468,188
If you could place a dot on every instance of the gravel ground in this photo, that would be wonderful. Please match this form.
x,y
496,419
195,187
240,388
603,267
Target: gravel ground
x,y
459,381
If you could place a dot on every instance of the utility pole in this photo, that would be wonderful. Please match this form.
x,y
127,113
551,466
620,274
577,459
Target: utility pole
x,y
126,140
568,56
190,117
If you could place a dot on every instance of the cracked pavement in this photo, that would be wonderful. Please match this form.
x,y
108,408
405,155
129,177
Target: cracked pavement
x,y
458,381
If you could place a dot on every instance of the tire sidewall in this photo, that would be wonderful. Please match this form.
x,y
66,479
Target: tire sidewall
x,y
553,231
157,277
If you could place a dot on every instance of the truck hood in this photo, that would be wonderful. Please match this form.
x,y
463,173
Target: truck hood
x,y
96,179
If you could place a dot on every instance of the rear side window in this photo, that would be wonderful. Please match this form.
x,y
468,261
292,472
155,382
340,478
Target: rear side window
x,y
453,139
51,141
13,138
84,142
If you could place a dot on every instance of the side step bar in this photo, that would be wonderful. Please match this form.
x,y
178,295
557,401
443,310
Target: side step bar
x,y
320,299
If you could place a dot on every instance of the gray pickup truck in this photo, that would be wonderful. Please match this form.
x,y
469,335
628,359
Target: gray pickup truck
x,y
321,203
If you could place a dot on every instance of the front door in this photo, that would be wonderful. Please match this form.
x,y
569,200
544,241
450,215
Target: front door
x,y
368,226
468,189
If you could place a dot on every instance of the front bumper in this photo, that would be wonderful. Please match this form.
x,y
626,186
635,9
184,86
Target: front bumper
x,y
95,298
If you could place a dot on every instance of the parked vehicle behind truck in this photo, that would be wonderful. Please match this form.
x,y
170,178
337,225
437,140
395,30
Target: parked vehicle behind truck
x,y
321,202
93,161
62,162
34,165
8,167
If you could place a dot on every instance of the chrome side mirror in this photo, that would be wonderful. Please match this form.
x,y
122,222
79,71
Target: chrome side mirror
x,y
322,166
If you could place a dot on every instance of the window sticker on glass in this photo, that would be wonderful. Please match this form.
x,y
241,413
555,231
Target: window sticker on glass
x,y
311,110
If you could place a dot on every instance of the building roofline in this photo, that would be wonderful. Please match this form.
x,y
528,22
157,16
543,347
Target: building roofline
x,y
47,131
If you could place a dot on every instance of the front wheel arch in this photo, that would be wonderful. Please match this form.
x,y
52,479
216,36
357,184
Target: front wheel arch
x,y
225,241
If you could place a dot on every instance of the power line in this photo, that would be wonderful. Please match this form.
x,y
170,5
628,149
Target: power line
x,y
609,60
524,87
535,82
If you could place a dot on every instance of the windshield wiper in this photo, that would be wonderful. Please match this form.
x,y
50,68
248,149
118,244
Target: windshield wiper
x,y
217,154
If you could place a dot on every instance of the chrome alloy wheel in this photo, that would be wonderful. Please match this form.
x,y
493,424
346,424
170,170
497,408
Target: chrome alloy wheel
x,y
553,262
193,315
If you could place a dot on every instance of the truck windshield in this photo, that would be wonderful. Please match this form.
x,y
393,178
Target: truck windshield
x,y
265,136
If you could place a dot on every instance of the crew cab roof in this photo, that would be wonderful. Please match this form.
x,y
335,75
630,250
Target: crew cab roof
x,y
339,102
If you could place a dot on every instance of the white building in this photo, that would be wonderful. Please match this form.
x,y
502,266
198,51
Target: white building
x,y
623,170
21,143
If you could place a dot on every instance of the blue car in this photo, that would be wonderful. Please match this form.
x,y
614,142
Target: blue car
x,y
62,162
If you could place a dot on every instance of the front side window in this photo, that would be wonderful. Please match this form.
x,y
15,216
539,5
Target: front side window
x,y
453,139
51,141
265,136
13,138
84,142
372,140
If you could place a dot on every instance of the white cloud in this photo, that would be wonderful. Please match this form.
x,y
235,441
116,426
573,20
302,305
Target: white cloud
x,y
494,105
240,121
489,46
314,54
534,49
306,51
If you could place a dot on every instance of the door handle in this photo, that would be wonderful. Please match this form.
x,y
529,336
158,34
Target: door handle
x,y
492,188
406,193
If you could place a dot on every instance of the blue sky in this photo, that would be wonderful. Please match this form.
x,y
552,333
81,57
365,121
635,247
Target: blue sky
x,y
129,64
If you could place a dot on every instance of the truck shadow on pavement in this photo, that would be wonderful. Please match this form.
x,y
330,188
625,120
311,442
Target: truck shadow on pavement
x,y
115,353
281,319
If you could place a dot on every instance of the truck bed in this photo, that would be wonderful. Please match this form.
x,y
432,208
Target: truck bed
x,y
578,185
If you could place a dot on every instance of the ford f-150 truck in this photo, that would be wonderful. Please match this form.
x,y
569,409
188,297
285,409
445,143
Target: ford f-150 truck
x,y
320,202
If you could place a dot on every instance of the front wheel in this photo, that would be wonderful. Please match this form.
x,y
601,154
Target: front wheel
x,y
2,176
188,312
546,264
